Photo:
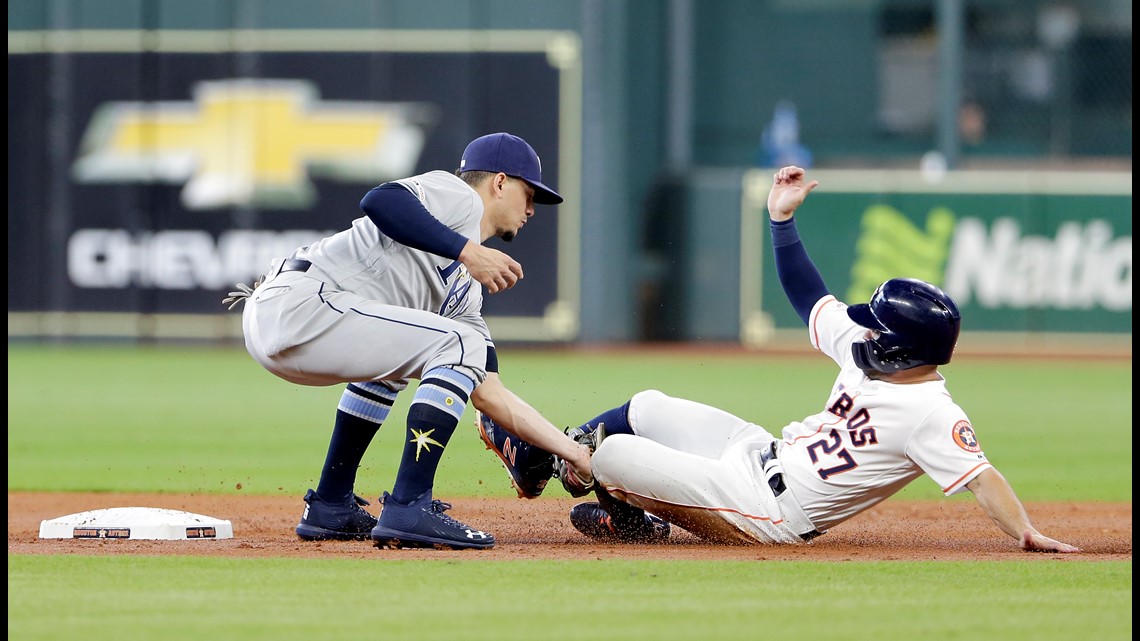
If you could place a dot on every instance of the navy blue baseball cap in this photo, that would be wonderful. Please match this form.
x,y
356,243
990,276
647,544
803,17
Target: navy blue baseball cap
x,y
511,155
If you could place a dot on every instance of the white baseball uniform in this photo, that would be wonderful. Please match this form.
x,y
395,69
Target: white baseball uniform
x,y
368,308
710,472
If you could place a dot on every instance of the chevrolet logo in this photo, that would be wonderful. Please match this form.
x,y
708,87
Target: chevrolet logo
x,y
252,142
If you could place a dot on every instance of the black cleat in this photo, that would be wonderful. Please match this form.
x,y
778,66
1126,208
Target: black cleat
x,y
530,467
344,521
595,522
423,524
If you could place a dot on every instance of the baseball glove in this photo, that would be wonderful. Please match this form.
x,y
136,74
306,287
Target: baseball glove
x,y
572,483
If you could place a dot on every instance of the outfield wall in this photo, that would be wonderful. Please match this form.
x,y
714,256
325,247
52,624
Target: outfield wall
x,y
1036,260
143,182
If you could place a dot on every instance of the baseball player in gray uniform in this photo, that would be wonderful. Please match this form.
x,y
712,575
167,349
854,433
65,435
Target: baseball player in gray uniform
x,y
888,420
398,296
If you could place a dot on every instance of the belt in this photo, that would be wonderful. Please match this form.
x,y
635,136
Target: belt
x,y
776,482
294,265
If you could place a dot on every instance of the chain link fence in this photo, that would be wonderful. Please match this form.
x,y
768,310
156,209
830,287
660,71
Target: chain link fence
x,y
1045,80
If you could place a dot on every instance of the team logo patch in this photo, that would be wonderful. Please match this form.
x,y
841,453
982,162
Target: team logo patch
x,y
964,436
423,441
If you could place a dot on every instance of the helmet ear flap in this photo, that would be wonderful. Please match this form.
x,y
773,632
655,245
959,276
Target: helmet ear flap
x,y
880,355
864,354
892,352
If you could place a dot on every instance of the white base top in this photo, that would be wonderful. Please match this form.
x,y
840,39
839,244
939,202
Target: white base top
x,y
136,523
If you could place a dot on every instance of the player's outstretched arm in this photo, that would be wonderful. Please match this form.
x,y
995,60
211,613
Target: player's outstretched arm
x,y
798,276
789,189
517,417
1001,504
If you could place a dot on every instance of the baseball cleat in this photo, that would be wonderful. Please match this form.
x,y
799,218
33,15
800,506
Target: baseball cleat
x,y
530,468
346,521
595,522
423,524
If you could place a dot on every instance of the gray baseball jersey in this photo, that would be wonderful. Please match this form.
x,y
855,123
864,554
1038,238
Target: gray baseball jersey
x,y
710,472
369,308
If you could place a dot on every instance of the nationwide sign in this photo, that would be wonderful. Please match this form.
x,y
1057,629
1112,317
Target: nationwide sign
x,y
1031,252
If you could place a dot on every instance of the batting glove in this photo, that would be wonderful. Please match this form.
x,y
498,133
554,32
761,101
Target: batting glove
x,y
243,292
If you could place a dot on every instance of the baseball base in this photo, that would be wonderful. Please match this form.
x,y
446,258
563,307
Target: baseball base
x,y
136,523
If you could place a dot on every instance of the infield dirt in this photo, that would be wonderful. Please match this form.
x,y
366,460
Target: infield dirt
x,y
948,530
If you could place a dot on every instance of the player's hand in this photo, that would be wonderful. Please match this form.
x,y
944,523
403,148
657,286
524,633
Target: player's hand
x,y
1034,541
788,192
492,268
578,481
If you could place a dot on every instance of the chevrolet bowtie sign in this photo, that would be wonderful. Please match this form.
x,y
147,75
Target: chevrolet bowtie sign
x,y
252,143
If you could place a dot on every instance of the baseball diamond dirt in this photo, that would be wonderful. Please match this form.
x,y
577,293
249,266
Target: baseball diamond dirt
x,y
896,530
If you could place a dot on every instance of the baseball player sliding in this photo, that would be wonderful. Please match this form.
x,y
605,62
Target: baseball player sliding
x,y
888,420
398,296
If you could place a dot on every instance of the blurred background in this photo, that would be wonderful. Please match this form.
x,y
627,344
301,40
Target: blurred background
x,y
160,151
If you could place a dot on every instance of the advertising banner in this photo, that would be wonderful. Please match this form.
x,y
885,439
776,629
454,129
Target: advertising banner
x,y
1024,252
158,169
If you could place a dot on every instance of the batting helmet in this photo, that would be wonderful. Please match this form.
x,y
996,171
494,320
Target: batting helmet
x,y
915,323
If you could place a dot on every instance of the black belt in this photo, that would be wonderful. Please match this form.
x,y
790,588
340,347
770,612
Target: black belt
x,y
776,482
294,265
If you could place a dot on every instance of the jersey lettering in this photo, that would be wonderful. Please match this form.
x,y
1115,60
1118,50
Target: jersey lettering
x,y
861,435
842,405
865,436
446,272
455,297
858,419
832,445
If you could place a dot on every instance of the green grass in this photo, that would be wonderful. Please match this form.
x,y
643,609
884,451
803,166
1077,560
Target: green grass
x,y
180,420
154,598
184,420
